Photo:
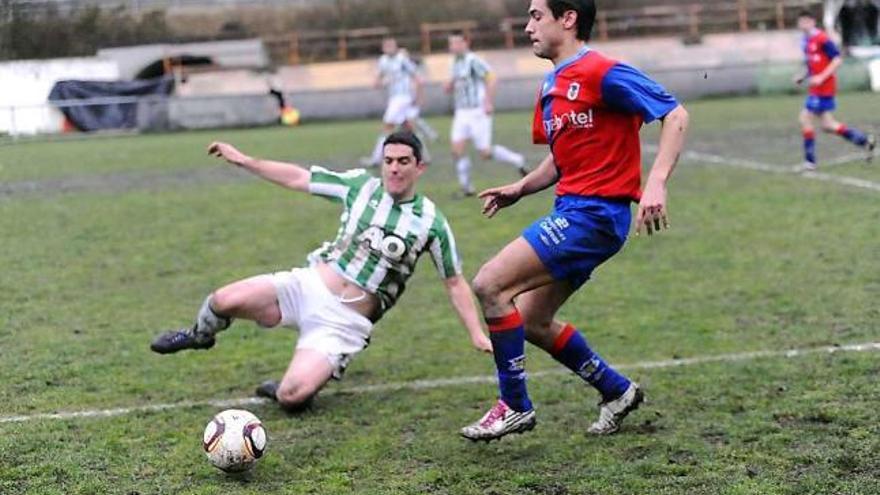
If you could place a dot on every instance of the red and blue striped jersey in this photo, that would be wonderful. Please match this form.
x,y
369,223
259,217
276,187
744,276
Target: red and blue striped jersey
x,y
590,110
819,51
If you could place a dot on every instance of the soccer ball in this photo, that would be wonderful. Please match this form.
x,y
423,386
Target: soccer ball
x,y
289,116
234,440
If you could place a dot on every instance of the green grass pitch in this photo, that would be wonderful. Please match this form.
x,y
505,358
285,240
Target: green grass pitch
x,y
104,242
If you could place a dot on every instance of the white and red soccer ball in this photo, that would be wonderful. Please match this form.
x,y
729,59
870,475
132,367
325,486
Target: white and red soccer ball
x,y
234,440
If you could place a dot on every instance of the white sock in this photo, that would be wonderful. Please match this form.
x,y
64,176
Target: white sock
x,y
376,157
463,167
208,323
426,154
502,154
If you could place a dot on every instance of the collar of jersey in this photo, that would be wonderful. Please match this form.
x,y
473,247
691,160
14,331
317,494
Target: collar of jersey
x,y
572,59
401,203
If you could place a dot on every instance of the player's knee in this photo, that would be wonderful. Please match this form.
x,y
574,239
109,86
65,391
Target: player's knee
x,y
295,397
830,127
485,287
486,154
805,120
270,317
224,301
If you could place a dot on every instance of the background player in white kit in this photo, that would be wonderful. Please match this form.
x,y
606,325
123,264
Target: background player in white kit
x,y
350,282
414,117
473,88
402,78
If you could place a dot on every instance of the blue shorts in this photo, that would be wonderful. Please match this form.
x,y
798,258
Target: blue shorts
x,y
579,235
820,104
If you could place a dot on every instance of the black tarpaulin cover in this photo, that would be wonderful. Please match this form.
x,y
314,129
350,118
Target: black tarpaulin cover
x,y
93,117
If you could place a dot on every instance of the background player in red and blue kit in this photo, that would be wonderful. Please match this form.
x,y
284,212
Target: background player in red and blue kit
x,y
590,110
822,61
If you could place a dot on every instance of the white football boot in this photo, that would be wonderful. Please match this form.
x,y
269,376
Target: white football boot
x,y
611,413
499,421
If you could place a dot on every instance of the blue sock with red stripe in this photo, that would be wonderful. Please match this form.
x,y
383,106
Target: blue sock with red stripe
x,y
852,135
571,349
508,338
810,146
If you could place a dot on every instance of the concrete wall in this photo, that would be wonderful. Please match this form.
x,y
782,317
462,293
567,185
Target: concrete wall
x,y
650,54
722,64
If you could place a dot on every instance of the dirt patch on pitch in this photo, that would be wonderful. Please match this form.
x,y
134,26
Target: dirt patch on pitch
x,y
122,182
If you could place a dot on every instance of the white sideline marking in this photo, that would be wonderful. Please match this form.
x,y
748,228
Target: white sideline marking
x,y
842,160
775,169
445,382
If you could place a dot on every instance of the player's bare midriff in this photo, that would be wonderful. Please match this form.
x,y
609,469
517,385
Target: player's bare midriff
x,y
348,292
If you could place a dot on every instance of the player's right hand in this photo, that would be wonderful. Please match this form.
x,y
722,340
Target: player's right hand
x,y
227,152
500,197
482,343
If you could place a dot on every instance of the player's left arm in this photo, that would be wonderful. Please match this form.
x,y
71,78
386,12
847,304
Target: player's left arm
x,y
448,263
462,298
491,90
653,213
629,90
482,70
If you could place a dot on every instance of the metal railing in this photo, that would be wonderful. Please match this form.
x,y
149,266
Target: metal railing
x,y
688,21
137,6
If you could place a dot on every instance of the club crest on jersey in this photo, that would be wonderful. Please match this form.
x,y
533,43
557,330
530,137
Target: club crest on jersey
x,y
390,245
574,89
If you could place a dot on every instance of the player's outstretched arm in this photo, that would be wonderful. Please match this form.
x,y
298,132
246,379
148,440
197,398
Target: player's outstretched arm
x,y
289,175
462,298
544,176
652,213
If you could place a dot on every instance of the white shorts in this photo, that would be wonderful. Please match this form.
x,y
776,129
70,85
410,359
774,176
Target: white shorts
x,y
413,112
325,324
474,124
398,109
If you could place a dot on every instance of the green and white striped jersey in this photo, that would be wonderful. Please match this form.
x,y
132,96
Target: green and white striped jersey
x,y
397,72
380,241
469,74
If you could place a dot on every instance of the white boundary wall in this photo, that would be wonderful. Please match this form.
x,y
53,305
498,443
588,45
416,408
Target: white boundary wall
x,y
874,68
26,85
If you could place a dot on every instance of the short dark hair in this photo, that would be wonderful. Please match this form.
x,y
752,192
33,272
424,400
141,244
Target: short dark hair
x,y
407,138
586,12
807,13
461,34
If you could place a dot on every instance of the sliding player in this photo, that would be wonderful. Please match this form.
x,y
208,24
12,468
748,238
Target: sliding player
x,y
350,282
